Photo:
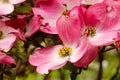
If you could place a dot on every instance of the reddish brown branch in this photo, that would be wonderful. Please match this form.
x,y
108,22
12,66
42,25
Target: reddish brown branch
x,y
100,67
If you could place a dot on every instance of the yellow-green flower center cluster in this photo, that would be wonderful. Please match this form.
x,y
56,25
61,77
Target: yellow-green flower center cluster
x,y
1,34
90,31
65,51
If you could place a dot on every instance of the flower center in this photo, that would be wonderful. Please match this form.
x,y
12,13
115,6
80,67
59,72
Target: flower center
x,y
65,51
90,31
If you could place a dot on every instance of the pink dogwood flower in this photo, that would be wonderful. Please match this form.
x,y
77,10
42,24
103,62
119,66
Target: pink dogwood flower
x,y
7,6
6,59
99,33
106,12
7,37
50,10
73,48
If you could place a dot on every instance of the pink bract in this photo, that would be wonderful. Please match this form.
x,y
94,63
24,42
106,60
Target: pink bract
x,y
6,59
90,54
7,6
71,3
33,25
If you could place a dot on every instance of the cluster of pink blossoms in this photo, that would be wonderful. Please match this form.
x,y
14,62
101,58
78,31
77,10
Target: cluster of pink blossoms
x,y
12,30
8,35
82,25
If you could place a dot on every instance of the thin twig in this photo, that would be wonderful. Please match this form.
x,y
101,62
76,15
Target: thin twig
x,y
100,67
109,49
46,76
2,72
100,56
18,67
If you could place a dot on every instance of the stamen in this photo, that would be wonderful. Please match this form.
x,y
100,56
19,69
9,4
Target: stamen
x,y
66,10
65,51
90,31
1,34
